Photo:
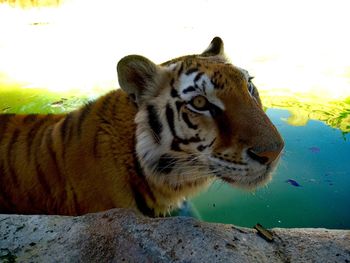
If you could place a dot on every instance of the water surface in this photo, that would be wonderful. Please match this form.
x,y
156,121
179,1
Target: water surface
x,y
310,187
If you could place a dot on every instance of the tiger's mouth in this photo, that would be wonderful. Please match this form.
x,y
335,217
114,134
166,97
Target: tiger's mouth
x,y
248,181
247,176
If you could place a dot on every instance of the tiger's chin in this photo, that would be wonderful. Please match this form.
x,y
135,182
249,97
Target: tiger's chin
x,y
247,180
247,183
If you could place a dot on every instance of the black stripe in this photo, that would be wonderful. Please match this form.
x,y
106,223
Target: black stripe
x,y
140,174
38,139
115,105
180,70
175,145
188,89
154,123
172,81
106,102
199,75
141,203
174,93
49,143
188,122
191,70
105,105
42,177
83,114
13,140
66,129
10,147
190,140
76,203
204,87
178,105
7,206
165,164
51,151
95,144
137,166
217,84
203,147
212,142
44,131
215,110
2,172
170,118
144,156
102,121
4,120
136,186
32,134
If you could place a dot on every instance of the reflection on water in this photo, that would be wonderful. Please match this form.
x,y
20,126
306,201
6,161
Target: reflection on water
x,y
309,189
14,100
334,113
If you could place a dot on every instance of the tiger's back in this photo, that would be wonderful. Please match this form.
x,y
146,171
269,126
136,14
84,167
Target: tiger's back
x,y
52,164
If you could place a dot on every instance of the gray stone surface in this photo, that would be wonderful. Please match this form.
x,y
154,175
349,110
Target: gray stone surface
x,y
122,236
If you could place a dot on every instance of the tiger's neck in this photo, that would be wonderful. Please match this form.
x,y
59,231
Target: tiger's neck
x,y
116,143
158,198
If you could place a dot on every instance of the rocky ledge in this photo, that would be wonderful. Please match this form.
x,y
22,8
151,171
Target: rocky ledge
x,y
122,236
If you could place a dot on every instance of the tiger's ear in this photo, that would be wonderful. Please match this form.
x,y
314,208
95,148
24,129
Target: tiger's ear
x,y
137,75
215,48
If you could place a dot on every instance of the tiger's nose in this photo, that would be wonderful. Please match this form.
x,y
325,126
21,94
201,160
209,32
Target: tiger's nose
x,y
265,156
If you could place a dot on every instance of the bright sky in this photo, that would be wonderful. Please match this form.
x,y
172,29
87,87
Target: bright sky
x,y
294,46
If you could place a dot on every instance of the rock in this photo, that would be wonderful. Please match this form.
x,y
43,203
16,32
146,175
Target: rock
x,y
121,235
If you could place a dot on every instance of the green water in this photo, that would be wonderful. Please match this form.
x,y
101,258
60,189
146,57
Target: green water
x,y
17,100
317,157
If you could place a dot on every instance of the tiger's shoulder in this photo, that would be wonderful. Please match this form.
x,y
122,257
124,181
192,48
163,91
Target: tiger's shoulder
x,y
59,163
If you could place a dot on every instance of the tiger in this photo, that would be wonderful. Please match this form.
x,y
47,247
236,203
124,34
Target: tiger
x,y
166,134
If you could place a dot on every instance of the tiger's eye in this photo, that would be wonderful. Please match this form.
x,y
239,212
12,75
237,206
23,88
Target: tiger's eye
x,y
200,103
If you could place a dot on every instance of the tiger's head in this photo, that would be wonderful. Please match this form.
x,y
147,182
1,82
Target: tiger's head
x,y
199,118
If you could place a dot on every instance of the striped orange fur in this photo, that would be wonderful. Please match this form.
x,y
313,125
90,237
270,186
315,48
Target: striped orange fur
x,y
165,135
57,164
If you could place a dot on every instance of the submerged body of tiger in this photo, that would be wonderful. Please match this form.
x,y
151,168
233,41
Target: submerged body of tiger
x,y
167,134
